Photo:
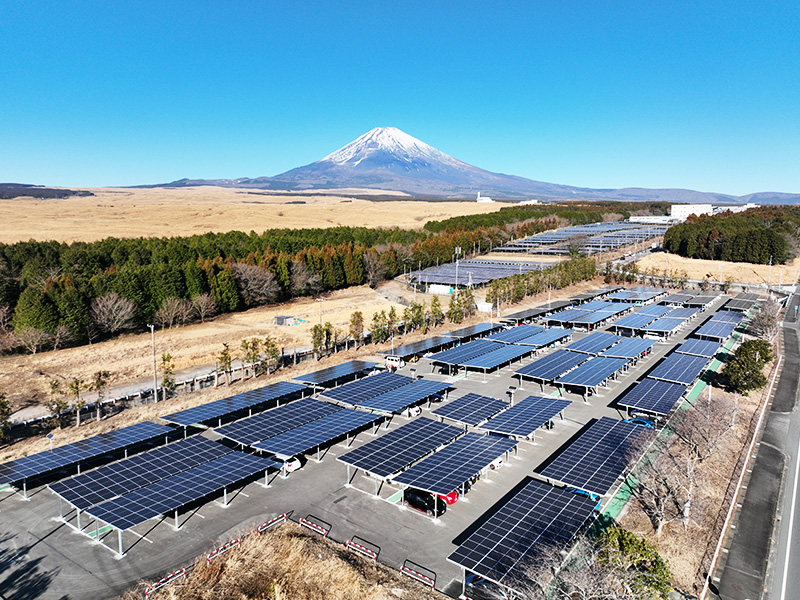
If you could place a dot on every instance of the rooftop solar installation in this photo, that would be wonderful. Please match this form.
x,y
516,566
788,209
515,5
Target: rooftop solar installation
x,y
656,310
171,493
593,372
565,316
537,516
697,347
594,343
335,372
276,421
595,460
356,392
420,347
471,409
727,316
501,356
716,329
682,313
509,336
664,325
110,481
546,337
316,433
464,352
456,463
61,457
553,365
526,416
653,396
679,368
229,406
399,398
629,348
473,330
401,447
636,321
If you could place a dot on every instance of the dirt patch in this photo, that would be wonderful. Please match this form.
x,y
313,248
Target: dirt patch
x,y
718,270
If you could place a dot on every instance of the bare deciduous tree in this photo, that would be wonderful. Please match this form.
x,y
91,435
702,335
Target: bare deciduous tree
x,y
701,429
374,269
765,322
61,335
113,313
303,280
32,338
204,306
173,311
257,285
5,317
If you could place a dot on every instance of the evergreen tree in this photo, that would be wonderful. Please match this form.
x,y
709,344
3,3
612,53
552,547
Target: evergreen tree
x,y
437,316
35,310
455,313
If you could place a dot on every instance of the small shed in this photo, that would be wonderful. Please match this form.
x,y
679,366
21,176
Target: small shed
x,y
284,320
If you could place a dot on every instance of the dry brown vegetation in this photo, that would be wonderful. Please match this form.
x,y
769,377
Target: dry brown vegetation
x,y
289,563
165,212
711,269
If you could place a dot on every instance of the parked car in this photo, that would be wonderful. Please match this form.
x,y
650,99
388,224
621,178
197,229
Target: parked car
x,y
411,411
294,464
432,505
641,421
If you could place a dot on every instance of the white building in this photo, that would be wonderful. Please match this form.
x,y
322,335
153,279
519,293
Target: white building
x,y
683,211
484,198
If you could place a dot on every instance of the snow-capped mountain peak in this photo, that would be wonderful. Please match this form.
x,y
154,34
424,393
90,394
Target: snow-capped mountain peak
x,y
387,140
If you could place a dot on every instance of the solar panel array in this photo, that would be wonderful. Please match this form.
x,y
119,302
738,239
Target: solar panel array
x,y
276,421
546,337
553,365
664,325
593,372
325,376
566,316
702,300
366,388
679,368
471,409
110,481
678,298
455,464
61,457
629,348
727,316
592,238
229,406
595,460
697,347
399,398
473,330
683,313
465,352
420,347
316,433
537,516
501,356
653,396
169,494
635,321
526,416
655,310
509,336
716,329
594,343
400,447
474,271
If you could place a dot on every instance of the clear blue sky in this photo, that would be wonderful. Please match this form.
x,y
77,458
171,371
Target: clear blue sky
x,y
702,95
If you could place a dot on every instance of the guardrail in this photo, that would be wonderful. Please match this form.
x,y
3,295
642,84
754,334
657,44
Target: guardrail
x,y
418,572
316,525
362,546
223,549
180,573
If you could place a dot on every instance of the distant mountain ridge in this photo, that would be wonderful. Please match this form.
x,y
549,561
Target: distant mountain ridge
x,y
387,158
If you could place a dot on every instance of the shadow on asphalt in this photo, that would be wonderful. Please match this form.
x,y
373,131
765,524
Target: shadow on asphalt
x,y
22,579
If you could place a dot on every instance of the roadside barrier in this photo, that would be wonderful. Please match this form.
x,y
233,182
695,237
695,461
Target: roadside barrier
x,y
279,520
316,524
180,573
223,549
362,546
418,572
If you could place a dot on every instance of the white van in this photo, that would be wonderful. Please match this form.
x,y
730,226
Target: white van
x,y
395,361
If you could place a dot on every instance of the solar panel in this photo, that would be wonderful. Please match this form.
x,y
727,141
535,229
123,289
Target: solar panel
x,y
276,421
679,368
459,354
736,304
537,516
335,372
678,298
593,372
228,406
545,338
171,493
629,348
565,316
636,321
655,310
320,431
400,447
455,464
683,313
594,343
496,358
595,460
471,409
366,388
697,347
420,347
526,416
110,481
61,457
727,316
509,336
664,325
716,329
595,305
399,398
473,330
553,365
653,396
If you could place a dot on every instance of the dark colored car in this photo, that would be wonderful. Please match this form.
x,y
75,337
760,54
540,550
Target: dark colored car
x,y
433,506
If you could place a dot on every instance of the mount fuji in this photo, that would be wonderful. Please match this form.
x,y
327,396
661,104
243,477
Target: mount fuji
x,y
387,158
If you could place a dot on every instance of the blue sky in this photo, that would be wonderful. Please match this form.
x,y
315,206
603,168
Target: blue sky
x,y
702,95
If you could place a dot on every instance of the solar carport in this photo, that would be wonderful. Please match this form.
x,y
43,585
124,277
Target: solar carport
x,y
336,374
526,416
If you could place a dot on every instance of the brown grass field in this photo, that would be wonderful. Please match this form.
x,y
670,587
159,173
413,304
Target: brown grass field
x,y
711,269
164,212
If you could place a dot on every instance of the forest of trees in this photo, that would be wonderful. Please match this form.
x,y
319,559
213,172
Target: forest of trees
x,y
755,236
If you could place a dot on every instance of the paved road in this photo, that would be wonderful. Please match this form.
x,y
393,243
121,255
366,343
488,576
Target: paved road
x,y
756,558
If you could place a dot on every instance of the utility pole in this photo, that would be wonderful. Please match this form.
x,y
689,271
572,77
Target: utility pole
x,y
155,373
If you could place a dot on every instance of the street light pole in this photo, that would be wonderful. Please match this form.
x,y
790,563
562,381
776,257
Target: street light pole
x,y
155,373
